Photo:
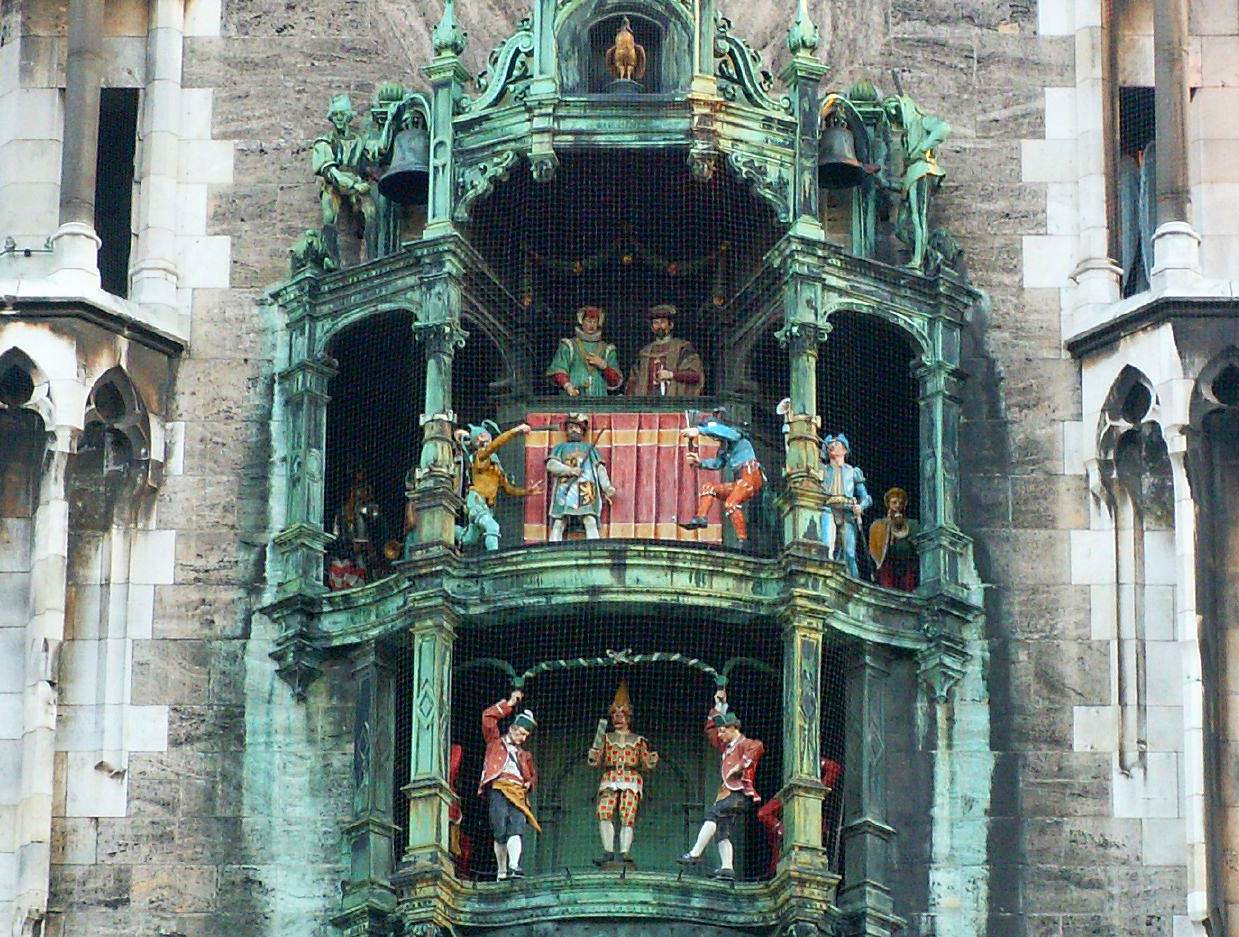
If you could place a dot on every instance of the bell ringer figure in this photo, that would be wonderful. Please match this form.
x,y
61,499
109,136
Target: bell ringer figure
x,y
738,770
623,755
508,775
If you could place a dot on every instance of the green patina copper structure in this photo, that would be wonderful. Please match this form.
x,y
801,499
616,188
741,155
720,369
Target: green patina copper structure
x,y
711,101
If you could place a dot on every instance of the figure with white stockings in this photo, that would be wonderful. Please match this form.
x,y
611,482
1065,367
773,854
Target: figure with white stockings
x,y
508,775
581,480
623,755
738,771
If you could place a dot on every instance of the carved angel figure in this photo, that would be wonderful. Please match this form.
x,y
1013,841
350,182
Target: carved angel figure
x,y
626,59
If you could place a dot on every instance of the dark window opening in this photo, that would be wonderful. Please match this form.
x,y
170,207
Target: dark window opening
x,y
114,168
1137,188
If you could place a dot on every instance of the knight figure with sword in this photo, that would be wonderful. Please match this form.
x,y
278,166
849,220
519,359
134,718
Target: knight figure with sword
x,y
580,481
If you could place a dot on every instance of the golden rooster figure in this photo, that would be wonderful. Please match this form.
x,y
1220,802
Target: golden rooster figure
x,y
626,59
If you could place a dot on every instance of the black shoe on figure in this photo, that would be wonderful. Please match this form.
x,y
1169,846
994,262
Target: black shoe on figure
x,y
604,859
516,873
688,859
697,523
724,875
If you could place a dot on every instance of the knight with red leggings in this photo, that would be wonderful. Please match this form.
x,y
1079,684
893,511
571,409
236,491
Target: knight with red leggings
x,y
735,453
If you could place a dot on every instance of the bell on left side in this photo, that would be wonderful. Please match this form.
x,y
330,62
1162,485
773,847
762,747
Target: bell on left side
x,y
407,181
837,165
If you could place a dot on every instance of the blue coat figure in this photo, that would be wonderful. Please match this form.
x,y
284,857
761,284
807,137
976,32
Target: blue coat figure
x,y
846,500
735,453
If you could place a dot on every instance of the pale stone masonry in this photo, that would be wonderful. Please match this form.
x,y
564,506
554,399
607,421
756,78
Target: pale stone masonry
x,y
156,776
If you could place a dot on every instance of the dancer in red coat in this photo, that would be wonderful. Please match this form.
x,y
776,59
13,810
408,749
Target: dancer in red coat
x,y
737,772
508,775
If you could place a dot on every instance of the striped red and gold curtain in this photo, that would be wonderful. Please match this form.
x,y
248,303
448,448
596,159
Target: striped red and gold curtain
x,y
655,487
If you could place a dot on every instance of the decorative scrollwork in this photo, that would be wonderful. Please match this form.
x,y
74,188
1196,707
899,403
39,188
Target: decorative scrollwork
x,y
740,72
507,73
768,179
478,180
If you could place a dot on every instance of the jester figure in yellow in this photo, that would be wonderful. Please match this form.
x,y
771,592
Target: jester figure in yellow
x,y
623,755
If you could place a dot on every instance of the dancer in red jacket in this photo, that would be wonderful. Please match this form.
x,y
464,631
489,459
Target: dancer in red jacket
x,y
508,775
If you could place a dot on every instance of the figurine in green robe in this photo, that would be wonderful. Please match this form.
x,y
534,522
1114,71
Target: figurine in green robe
x,y
920,134
585,365
336,157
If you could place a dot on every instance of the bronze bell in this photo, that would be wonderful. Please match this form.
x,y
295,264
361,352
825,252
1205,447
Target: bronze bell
x,y
407,181
837,165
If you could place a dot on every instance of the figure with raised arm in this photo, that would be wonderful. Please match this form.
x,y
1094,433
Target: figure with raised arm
x,y
508,775
735,453
737,771
486,479
623,755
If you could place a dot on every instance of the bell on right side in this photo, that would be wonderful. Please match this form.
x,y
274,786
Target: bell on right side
x,y
837,165
407,181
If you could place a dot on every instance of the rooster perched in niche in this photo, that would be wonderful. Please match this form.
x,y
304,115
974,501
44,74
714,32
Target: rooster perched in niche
x,y
626,59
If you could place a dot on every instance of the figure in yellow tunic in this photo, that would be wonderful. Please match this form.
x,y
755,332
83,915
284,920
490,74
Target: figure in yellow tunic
x,y
486,479
623,755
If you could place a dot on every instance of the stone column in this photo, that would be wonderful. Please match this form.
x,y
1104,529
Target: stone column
x,y
303,540
431,638
368,896
447,77
943,547
75,244
153,273
802,75
865,899
1176,245
45,632
802,792
1187,633
438,327
801,334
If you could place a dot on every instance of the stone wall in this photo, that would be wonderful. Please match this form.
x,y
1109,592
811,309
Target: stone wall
x,y
235,827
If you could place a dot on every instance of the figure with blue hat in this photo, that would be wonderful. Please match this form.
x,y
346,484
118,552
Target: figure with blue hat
x,y
735,453
508,775
581,481
846,500
737,790
486,479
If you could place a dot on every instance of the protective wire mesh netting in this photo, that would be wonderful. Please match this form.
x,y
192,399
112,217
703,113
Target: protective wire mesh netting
x,y
618,233
576,668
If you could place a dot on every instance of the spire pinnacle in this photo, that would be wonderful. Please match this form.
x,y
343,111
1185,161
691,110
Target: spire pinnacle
x,y
448,38
803,36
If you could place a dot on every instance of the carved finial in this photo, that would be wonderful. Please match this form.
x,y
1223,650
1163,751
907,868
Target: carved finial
x,y
448,38
803,36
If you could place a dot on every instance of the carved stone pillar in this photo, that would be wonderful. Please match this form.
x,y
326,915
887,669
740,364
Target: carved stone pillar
x,y
303,540
431,637
801,334
803,75
865,899
368,898
943,547
438,327
447,77
802,792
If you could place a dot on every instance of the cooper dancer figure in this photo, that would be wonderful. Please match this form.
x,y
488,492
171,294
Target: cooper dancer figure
x,y
846,500
738,770
624,755
581,480
736,453
508,775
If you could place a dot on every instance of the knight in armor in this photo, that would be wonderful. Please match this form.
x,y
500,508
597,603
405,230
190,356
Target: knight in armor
x,y
667,366
580,480
357,529
623,755
735,453
847,499
736,791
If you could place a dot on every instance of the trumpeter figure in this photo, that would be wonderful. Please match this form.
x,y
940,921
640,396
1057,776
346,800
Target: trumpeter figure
x,y
623,755
895,561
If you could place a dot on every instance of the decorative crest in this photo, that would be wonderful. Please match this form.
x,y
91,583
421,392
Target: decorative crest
x,y
448,38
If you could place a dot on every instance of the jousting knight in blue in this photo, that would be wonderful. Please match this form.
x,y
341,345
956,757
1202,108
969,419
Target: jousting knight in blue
x,y
736,453
846,500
